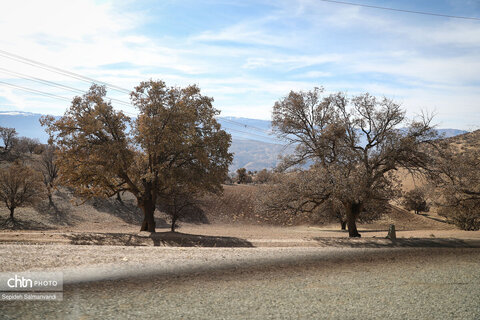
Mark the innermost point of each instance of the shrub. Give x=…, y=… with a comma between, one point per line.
x=415, y=200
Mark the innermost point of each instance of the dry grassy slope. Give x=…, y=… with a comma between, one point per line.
x=405, y=220
x=470, y=140
x=235, y=206
x=467, y=141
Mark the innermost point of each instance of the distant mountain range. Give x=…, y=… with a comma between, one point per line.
x=253, y=145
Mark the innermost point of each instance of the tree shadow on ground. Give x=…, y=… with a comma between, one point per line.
x=361, y=231
x=126, y=210
x=57, y=214
x=385, y=243
x=173, y=239
x=432, y=218
x=195, y=214
x=192, y=214
x=16, y=224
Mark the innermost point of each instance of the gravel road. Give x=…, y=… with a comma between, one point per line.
x=268, y=283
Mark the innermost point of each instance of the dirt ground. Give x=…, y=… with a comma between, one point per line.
x=109, y=222
x=240, y=270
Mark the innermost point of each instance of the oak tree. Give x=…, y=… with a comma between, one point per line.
x=175, y=130
x=8, y=136
x=416, y=200
x=20, y=186
x=49, y=170
x=355, y=144
x=457, y=178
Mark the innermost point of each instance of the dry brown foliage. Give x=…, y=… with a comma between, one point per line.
x=458, y=181
x=175, y=143
x=20, y=186
x=354, y=143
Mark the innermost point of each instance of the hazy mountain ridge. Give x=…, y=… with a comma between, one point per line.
x=252, y=143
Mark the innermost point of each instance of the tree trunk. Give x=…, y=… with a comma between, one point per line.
x=11, y=212
x=353, y=211
x=174, y=220
x=50, y=200
x=343, y=224
x=148, y=208
x=119, y=198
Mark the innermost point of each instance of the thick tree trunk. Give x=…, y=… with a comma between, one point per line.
x=353, y=211
x=148, y=208
x=343, y=224
x=11, y=213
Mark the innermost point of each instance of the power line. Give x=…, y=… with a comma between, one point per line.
x=46, y=94
x=64, y=72
x=54, y=96
x=77, y=76
x=246, y=125
x=55, y=84
x=402, y=10
x=51, y=95
x=251, y=134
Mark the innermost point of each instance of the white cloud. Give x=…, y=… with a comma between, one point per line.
x=433, y=63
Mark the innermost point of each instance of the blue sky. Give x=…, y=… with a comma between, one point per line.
x=249, y=54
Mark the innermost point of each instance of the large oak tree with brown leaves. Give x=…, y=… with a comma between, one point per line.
x=174, y=139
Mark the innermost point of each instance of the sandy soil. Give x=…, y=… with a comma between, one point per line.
x=256, y=283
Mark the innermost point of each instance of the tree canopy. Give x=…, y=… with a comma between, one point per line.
x=456, y=175
x=20, y=186
x=175, y=137
x=353, y=145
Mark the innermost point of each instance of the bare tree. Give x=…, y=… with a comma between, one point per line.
x=49, y=170
x=26, y=144
x=355, y=144
x=457, y=177
x=8, y=136
x=19, y=186
x=176, y=204
x=263, y=176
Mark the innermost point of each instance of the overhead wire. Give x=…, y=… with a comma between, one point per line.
x=47, y=94
x=89, y=80
x=56, y=84
x=51, y=95
x=57, y=70
x=252, y=134
x=401, y=10
x=246, y=125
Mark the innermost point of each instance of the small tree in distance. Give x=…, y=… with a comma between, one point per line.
x=243, y=176
x=49, y=171
x=263, y=176
x=19, y=186
x=8, y=136
x=415, y=200
x=175, y=203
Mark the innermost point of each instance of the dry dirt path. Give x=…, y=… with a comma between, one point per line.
x=265, y=283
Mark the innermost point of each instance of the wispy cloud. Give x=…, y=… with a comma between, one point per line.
x=251, y=54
